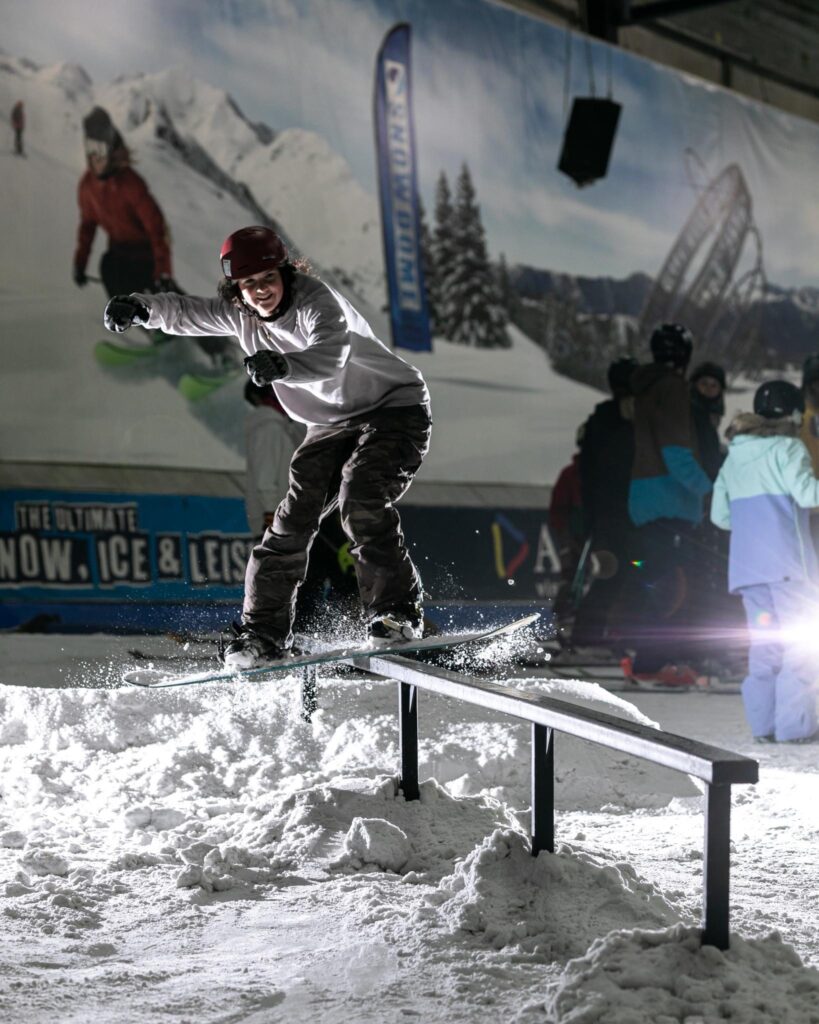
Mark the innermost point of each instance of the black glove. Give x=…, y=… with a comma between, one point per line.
x=79, y=277
x=124, y=311
x=165, y=283
x=264, y=367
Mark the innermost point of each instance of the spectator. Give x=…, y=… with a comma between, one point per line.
x=606, y=457
x=809, y=431
x=762, y=495
x=665, y=504
x=567, y=526
x=707, y=383
x=18, y=124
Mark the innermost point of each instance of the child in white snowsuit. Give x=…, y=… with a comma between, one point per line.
x=763, y=495
x=368, y=426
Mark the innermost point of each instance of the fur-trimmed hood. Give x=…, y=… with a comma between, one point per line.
x=759, y=426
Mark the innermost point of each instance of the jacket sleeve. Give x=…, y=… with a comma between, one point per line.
x=720, y=505
x=797, y=471
x=328, y=342
x=190, y=314
x=86, y=230
x=685, y=469
x=150, y=216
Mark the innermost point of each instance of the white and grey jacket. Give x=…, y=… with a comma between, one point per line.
x=337, y=369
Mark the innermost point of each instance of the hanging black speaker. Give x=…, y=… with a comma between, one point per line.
x=589, y=139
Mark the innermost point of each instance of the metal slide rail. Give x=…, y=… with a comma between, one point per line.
x=719, y=769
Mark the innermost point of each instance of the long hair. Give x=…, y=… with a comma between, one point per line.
x=232, y=293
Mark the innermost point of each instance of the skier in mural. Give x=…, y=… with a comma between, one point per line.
x=368, y=426
x=18, y=124
x=765, y=489
x=606, y=457
x=666, y=499
x=112, y=196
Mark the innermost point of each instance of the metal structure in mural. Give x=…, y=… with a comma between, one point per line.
x=714, y=304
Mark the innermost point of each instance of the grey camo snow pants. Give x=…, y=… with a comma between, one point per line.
x=362, y=466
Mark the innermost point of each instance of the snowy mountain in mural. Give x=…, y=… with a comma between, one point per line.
x=211, y=169
x=333, y=222
x=171, y=119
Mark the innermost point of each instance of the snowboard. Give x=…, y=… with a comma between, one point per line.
x=155, y=679
x=108, y=353
x=196, y=386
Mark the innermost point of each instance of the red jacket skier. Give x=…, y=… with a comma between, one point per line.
x=114, y=197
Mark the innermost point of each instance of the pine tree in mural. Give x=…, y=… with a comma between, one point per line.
x=509, y=298
x=442, y=258
x=472, y=304
x=431, y=281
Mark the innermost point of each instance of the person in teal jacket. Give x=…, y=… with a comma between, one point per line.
x=659, y=615
x=763, y=495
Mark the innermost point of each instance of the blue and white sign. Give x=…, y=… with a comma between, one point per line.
x=395, y=145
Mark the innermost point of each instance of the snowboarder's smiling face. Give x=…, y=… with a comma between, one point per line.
x=263, y=291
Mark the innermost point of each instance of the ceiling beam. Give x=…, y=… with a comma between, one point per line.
x=730, y=58
x=567, y=11
x=636, y=15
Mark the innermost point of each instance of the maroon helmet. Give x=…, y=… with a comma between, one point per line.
x=251, y=250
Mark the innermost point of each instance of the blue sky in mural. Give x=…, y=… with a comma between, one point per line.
x=489, y=90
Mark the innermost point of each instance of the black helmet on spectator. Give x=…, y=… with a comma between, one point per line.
x=672, y=344
x=619, y=375
x=713, y=370
x=776, y=399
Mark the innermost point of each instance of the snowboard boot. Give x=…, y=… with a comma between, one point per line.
x=406, y=623
x=248, y=648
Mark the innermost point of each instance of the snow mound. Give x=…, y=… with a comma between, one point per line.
x=552, y=905
x=363, y=824
x=663, y=977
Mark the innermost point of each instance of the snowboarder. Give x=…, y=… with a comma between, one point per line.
x=368, y=425
x=113, y=196
x=18, y=124
x=665, y=504
x=763, y=495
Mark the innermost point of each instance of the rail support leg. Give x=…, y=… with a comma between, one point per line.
x=309, y=698
x=408, y=739
x=716, y=866
x=543, y=789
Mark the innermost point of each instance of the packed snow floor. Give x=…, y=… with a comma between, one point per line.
x=203, y=855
